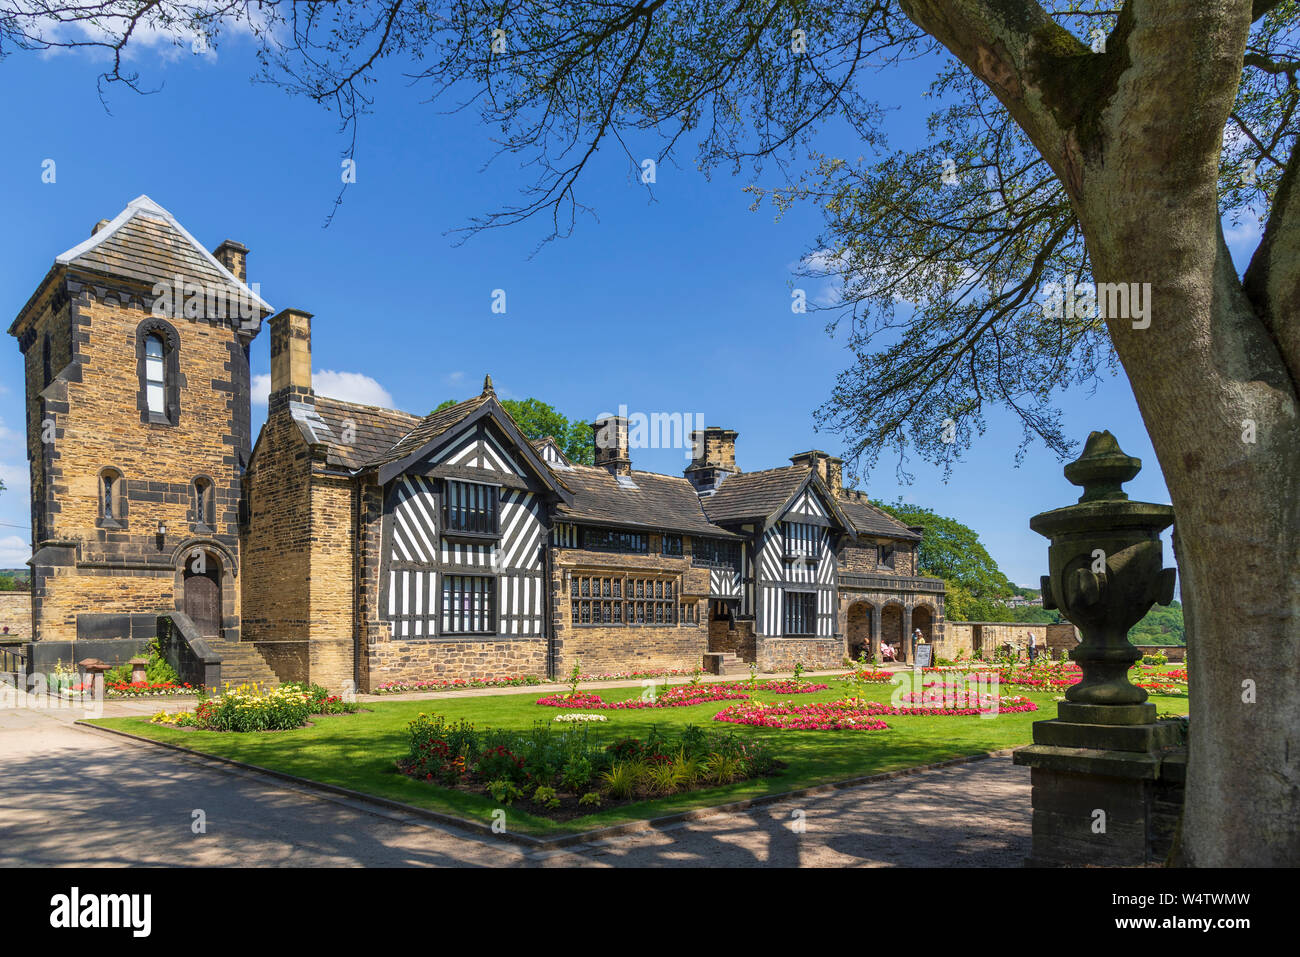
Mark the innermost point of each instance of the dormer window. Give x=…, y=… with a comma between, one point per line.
x=886, y=559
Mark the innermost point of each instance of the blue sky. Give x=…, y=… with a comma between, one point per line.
x=676, y=305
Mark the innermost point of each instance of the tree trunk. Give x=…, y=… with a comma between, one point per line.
x=1215, y=373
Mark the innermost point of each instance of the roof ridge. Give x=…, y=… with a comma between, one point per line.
x=143, y=205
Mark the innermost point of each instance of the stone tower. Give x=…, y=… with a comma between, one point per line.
x=136, y=348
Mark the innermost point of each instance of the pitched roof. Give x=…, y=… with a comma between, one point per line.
x=754, y=495
x=145, y=242
x=639, y=500
x=428, y=429
x=373, y=430
x=869, y=520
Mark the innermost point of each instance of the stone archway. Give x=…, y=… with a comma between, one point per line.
x=923, y=618
x=857, y=630
x=891, y=629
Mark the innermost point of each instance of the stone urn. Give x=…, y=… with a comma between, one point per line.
x=1106, y=562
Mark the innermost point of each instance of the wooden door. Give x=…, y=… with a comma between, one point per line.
x=203, y=598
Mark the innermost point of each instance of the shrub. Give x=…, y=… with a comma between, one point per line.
x=591, y=798
x=546, y=797
x=576, y=774
x=504, y=791
x=499, y=763
x=621, y=780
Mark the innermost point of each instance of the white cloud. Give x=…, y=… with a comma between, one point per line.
x=453, y=378
x=348, y=386
x=14, y=551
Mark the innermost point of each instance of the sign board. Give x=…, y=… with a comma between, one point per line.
x=924, y=656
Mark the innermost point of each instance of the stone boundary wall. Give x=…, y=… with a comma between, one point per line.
x=16, y=613
x=992, y=636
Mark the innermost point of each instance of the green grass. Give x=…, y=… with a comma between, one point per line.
x=358, y=751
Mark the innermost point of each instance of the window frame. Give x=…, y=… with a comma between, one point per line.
x=486, y=615
x=203, y=515
x=491, y=498
x=117, y=495
x=808, y=614
x=170, y=339
x=603, y=600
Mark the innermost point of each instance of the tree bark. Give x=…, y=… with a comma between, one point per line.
x=1214, y=374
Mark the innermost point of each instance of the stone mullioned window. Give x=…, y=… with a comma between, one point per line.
x=612, y=600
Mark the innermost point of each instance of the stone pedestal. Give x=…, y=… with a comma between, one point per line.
x=1107, y=786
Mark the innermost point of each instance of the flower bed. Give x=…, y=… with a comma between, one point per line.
x=445, y=684
x=579, y=718
x=249, y=708
x=630, y=675
x=682, y=696
x=871, y=676
x=563, y=773
x=855, y=715
x=149, y=689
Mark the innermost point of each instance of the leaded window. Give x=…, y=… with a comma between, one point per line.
x=801, y=540
x=471, y=507
x=614, y=540
x=800, y=613
x=712, y=553
x=468, y=605
x=672, y=545
x=611, y=600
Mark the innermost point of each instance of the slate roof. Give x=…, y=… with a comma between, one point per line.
x=657, y=501
x=869, y=520
x=145, y=242
x=375, y=430
x=754, y=495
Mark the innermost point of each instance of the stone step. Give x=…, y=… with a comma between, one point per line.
x=241, y=663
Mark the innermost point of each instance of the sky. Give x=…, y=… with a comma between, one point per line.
x=680, y=303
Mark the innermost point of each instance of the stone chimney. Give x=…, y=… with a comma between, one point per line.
x=98, y=226
x=715, y=458
x=609, y=435
x=234, y=256
x=291, y=354
x=830, y=468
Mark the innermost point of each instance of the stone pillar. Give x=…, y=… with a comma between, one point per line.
x=875, y=632
x=907, y=634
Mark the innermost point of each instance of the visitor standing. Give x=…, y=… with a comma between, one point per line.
x=1033, y=647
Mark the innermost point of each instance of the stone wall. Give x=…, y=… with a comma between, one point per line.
x=93, y=411
x=993, y=636
x=815, y=654
x=422, y=659
x=734, y=637
x=16, y=613
x=606, y=648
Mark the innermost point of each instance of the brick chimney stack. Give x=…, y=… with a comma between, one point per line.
x=234, y=256
x=609, y=434
x=291, y=354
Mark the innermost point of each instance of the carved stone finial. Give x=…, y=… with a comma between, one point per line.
x=487, y=386
x=1102, y=469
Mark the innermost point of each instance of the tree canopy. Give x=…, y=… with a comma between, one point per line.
x=536, y=419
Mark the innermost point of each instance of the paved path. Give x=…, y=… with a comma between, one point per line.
x=75, y=797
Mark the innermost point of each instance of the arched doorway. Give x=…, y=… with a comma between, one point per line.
x=202, y=591
x=891, y=629
x=923, y=618
x=857, y=628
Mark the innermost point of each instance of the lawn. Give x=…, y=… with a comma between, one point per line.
x=359, y=751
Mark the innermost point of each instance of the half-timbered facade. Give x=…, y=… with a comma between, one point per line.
x=356, y=544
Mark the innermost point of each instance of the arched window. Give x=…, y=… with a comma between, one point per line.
x=158, y=367
x=204, y=506
x=155, y=375
x=112, y=498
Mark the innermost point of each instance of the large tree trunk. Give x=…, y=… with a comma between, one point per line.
x=1138, y=152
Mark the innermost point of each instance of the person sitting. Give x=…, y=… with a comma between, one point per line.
x=887, y=652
